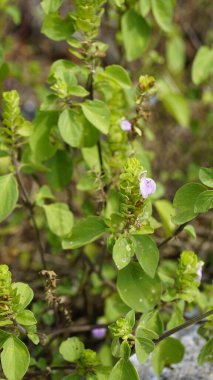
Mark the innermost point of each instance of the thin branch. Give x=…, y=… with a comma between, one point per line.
x=105, y=281
x=77, y=329
x=190, y=322
x=30, y=207
x=176, y=232
x=20, y=328
x=48, y=370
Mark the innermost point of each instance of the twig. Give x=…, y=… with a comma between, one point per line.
x=77, y=329
x=190, y=322
x=105, y=281
x=176, y=232
x=20, y=328
x=30, y=207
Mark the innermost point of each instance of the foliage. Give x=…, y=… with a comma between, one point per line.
x=15, y=297
x=76, y=186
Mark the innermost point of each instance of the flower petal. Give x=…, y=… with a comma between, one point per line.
x=147, y=187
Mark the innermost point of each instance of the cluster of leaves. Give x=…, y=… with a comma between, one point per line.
x=85, y=199
x=14, y=299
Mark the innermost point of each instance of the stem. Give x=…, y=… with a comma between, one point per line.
x=105, y=281
x=176, y=232
x=78, y=329
x=190, y=322
x=20, y=328
x=100, y=158
x=89, y=88
x=48, y=370
x=30, y=207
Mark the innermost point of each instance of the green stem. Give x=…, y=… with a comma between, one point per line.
x=89, y=88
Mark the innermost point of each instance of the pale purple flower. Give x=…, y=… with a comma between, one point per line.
x=147, y=187
x=125, y=125
x=199, y=270
x=99, y=332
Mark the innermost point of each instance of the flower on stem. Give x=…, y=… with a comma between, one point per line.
x=147, y=186
x=125, y=125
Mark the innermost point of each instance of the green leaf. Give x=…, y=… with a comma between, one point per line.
x=15, y=358
x=152, y=321
x=25, y=293
x=60, y=170
x=3, y=337
x=145, y=6
x=143, y=348
x=175, y=55
x=88, y=182
x=143, y=332
x=135, y=33
x=168, y=351
x=65, y=70
x=115, y=347
x=176, y=318
x=184, y=202
x=202, y=65
x=206, y=353
x=84, y=232
x=206, y=176
x=56, y=28
x=71, y=349
x=119, y=3
x=98, y=114
x=130, y=317
x=178, y=106
x=91, y=158
x=76, y=130
x=123, y=250
x=78, y=91
x=125, y=350
x=165, y=211
x=163, y=13
x=119, y=75
x=15, y=13
x=40, y=142
x=124, y=370
x=51, y=6
x=26, y=318
x=190, y=230
x=34, y=338
x=114, y=307
x=137, y=289
x=43, y=193
x=204, y=201
x=6, y=322
x=147, y=253
x=4, y=71
x=71, y=128
x=59, y=218
x=8, y=195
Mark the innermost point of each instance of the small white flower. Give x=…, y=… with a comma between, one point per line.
x=125, y=125
x=147, y=187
